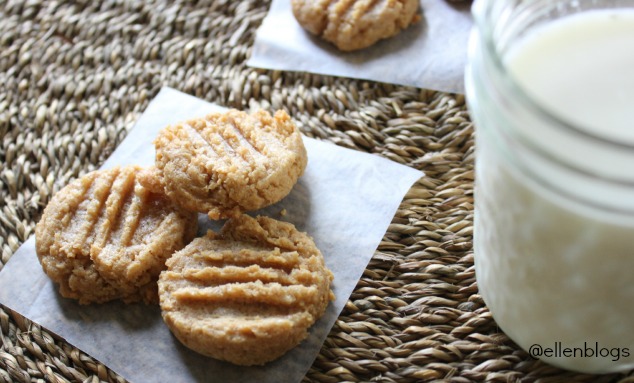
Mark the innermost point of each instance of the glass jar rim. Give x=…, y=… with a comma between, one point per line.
x=484, y=21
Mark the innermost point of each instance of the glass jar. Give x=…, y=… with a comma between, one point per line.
x=554, y=192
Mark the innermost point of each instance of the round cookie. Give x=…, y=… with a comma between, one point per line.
x=105, y=236
x=355, y=24
x=228, y=163
x=247, y=295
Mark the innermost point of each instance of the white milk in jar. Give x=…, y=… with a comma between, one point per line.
x=550, y=87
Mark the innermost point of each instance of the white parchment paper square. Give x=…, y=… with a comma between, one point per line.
x=430, y=54
x=345, y=201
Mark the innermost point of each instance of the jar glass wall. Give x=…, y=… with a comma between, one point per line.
x=554, y=220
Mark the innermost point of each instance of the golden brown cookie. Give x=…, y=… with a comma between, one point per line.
x=355, y=24
x=227, y=163
x=247, y=295
x=105, y=236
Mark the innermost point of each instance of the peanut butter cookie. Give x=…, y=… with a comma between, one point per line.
x=355, y=24
x=247, y=295
x=104, y=236
x=228, y=163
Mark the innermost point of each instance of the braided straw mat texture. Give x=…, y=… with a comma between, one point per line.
x=74, y=78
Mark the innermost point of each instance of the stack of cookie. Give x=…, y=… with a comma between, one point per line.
x=247, y=294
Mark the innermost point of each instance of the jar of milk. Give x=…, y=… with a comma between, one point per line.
x=550, y=87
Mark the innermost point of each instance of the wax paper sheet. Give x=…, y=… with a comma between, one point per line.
x=430, y=54
x=345, y=201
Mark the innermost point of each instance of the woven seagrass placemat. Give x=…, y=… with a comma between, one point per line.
x=75, y=76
